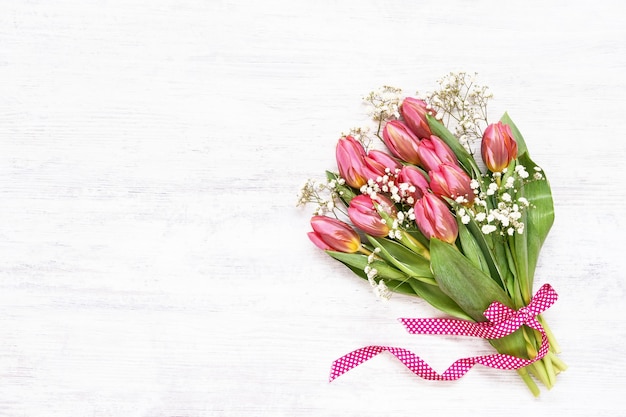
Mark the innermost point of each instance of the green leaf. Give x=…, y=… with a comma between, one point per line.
x=487, y=247
x=467, y=285
x=513, y=344
x=471, y=248
x=400, y=287
x=438, y=299
x=360, y=261
x=419, y=236
x=402, y=258
x=540, y=216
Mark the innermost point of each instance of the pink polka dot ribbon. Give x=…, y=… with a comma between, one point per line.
x=502, y=321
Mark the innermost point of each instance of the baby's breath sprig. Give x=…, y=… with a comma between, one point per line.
x=384, y=105
x=461, y=104
x=324, y=195
x=379, y=287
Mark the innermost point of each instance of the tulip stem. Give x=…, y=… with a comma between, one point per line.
x=560, y=365
x=553, y=344
x=523, y=372
x=380, y=124
x=364, y=250
x=415, y=245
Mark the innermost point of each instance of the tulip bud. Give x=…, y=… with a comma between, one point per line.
x=401, y=141
x=434, y=152
x=379, y=161
x=351, y=162
x=451, y=181
x=434, y=219
x=365, y=216
x=333, y=234
x=414, y=114
x=414, y=177
x=498, y=147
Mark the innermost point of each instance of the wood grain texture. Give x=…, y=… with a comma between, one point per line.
x=153, y=262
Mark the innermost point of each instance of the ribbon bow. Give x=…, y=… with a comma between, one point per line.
x=502, y=321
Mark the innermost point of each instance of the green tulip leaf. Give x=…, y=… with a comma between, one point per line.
x=539, y=216
x=402, y=258
x=400, y=287
x=438, y=299
x=471, y=248
x=468, y=286
x=487, y=244
x=360, y=261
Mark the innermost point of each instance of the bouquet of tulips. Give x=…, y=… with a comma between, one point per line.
x=420, y=215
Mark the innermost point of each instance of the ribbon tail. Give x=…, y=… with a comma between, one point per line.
x=416, y=364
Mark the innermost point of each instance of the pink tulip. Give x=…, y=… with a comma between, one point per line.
x=333, y=234
x=379, y=161
x=498, y=147
x=434, y=219
x=414, y=114
x=413, y=176
x=351, y=162
x=401, y=141
x=451, y=181
x=364, y=215
x=434, y=152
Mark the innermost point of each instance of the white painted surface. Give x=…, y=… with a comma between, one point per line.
x=152, y=262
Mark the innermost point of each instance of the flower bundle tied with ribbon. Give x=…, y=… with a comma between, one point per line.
x=419, y=215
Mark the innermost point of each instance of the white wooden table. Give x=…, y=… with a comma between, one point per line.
x=152, y=260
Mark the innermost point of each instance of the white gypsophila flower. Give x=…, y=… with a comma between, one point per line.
x=520, y=170
x=384, y=103
x=465, y=219
x=382, y=291
x=379, y=288
x=488, y=228
x=324, y=195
